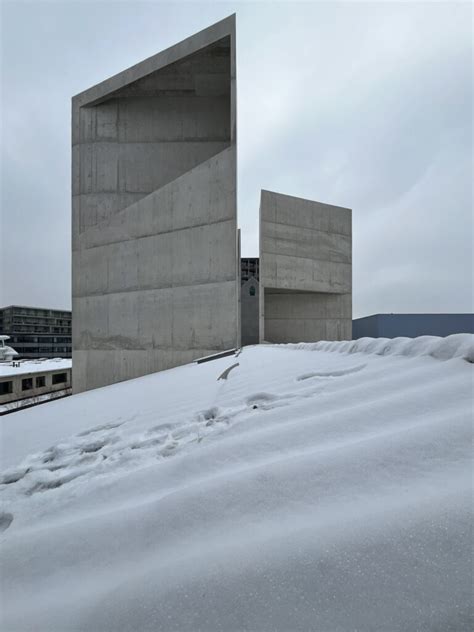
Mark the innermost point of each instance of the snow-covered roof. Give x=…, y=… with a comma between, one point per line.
x=326, y=487
x=8, y=369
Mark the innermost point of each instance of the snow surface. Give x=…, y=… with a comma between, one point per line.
x=34, y=366
x=17, y=404
x=319, y=487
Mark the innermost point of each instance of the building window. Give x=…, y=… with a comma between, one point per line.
x=59, y=378
x=41, y=381
x=252, y=290
x=6, y=388
x=27, y=384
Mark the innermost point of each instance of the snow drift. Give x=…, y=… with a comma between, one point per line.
x=319, y=487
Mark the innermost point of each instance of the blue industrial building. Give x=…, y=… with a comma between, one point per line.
x=412, y=325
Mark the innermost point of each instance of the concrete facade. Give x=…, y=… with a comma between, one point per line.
x=154, y=213
x=305, y=270
x=412, y=325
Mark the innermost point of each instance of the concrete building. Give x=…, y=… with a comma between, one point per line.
x=305, y=270
x=156, y=251
x=412, y=325
x=30, y=382
x=154, y=213
x=37, y=332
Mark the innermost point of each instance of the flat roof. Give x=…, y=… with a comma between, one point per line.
x=397, y=314
x=34, y=366
x=49, y=309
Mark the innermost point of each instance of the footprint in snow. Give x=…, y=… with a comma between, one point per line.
x=5, y=520
x=105, y=448
x=268, y=401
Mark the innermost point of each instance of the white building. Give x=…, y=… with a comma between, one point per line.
x=6, y=353
x=29, y=382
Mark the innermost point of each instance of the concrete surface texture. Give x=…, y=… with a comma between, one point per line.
x=249, y=300
x=305, y=270
x=412, y=325
x=154, y=213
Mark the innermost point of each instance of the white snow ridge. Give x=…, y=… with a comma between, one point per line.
x=320, y=486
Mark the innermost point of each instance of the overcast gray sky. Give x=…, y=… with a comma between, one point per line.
x=365, y=105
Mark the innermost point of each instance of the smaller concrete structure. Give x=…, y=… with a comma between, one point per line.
x=26, y=383
x=412, y=325
x=305, y=270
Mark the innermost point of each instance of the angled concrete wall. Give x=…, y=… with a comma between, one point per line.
x=155, y=261
x=305, y=270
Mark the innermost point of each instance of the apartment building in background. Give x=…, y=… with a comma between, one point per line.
x=37, y=332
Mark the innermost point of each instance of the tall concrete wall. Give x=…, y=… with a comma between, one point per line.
x=155, y=260
x=305, y=270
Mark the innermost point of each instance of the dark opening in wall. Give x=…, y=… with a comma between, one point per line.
x=59, y=378
x=41, y=381
x=6, y=388
x=27, y=384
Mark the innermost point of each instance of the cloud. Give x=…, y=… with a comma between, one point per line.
x=363, y=105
